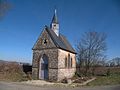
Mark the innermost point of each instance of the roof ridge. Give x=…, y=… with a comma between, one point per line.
x=48, y=30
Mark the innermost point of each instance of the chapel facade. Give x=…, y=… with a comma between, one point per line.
x=53, y=57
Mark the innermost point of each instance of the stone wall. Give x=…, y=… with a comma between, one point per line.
x=66, y=73
x=34, y=73
x=57, y=70
x=53, y=74
x=50, y=50
x=62, y=70
x=52, y=55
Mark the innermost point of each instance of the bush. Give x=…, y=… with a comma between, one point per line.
x=77, y=74
x=64, y=80
x=108, y=72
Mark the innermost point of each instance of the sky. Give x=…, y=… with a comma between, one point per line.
x=23, y=23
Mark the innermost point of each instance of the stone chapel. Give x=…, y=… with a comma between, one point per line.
x=53, y=57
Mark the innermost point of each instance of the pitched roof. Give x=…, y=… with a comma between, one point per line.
x=60, y=41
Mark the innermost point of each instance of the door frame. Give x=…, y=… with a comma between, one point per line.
x=39, y=67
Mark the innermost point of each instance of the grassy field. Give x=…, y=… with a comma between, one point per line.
x=11, y=71
x=113, y=79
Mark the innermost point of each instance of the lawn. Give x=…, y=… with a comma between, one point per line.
x=113, y=79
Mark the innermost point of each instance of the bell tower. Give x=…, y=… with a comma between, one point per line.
x=54, y=24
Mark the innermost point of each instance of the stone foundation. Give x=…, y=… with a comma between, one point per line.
x=66, y=73
x=53, y=74
x=35, y=73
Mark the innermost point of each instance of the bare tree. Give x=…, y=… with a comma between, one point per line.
x=91, y=49
x=4, y=6
x=115, y=61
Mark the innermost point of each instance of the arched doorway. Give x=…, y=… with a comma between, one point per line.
x=43, y=67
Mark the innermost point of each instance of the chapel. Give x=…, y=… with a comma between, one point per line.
x=53, y=56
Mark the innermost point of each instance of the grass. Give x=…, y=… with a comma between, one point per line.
x=113, y=79
x=15, y=77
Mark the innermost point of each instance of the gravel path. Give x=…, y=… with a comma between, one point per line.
x=19, y=86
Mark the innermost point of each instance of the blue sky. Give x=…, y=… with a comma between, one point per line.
x=23, y=23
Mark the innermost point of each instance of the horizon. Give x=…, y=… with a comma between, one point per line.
x=24, y=22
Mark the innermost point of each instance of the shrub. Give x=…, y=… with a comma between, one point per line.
x=64, y=80
x=108, y=72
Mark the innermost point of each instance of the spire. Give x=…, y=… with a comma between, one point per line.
x=54, y=24
x=55, y=19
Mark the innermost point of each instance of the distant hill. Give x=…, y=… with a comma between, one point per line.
x=21, y=63
x=2, y=61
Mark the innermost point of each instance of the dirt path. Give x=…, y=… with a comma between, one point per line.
x=19, y=86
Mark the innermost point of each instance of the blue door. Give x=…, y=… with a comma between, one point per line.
x=44, y=68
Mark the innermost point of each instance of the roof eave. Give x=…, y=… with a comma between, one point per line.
x=67, y=50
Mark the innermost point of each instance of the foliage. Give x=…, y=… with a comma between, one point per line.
x=77, y=74
x=4, y=6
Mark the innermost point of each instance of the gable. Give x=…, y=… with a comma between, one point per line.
x=53, y=41
x=44, y=41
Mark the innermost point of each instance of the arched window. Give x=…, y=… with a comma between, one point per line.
x=69, y=61
x=66, y=63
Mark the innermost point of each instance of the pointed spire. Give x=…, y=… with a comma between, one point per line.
x=55, y=18
x=54, y=24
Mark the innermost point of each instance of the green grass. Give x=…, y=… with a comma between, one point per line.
x=113, y=79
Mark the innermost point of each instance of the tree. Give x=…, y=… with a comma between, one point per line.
x=116, y=61
x=4, y=6
x=91, y=49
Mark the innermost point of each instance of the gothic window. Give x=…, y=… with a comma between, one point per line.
x=66, y=62
x=69, y=61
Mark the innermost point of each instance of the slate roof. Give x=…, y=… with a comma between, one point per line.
x=60, y=41
x=55, y=19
